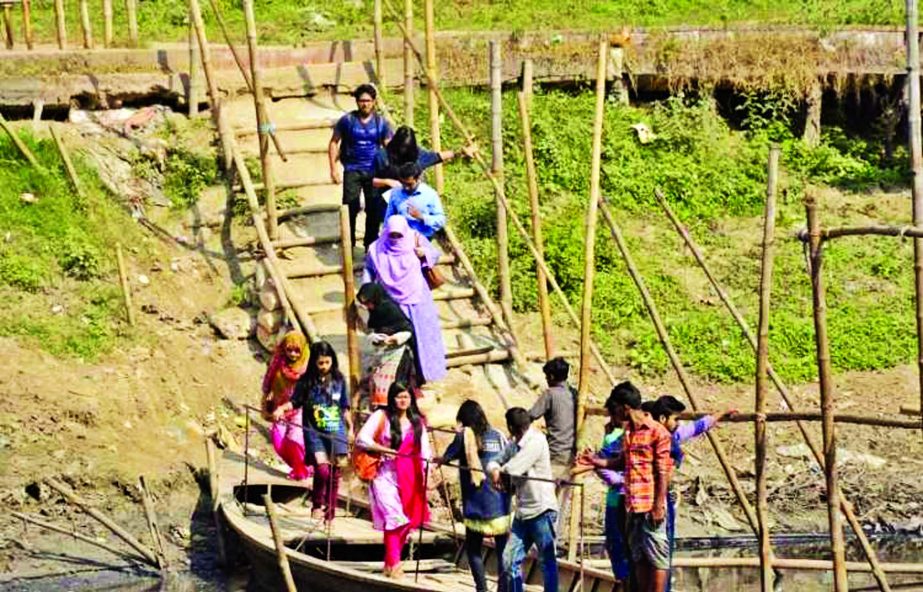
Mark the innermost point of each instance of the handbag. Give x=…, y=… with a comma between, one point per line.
x=365, y=463
x=433, y=276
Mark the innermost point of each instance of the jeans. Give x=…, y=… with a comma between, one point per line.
x=615, y=544
x=473, y=543
x=538, y=531
x=355, y=182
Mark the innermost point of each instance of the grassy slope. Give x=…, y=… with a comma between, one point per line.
x=715, y=178
x=294, y=21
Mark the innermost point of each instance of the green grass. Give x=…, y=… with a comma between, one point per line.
x=58, y=282
x=296, y=21
x=715, y=179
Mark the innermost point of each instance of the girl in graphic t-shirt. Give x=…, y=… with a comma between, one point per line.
x=321, y=392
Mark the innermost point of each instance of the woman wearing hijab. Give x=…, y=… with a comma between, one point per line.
x=396, y=261
x=289, y=362
x=392, y=334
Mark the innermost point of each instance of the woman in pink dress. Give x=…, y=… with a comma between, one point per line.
x=289, y=362
x=398, y=491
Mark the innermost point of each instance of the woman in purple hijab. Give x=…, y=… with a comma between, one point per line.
x=396, y=262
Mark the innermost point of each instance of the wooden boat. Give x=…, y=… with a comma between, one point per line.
x=347, y=556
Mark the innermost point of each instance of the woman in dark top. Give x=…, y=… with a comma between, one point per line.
x=486, y=510
x=392, y=334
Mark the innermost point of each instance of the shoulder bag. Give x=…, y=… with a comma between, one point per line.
x=365, y=463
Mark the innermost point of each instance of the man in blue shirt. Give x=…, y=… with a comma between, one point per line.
x=416, y=201
x=356, y=138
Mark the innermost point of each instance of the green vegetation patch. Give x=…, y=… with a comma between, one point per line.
x=715, y=179
x=58, y=281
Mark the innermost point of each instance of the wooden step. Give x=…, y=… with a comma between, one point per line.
x=306, y=241
x=287, y=184
x=460, y=353
x=318, y=271
x=466, y=323
x=291, y=127
x=497, y=355
x=297, y=151
x=308, y=209
x=453, y=294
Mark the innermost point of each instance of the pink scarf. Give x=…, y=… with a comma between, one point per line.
x=397, y=266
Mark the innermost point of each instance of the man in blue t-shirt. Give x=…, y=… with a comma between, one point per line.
x=356, y=138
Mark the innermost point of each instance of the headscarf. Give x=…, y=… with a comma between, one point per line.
x=283, y=373
x=396, y=264
x=385, y=316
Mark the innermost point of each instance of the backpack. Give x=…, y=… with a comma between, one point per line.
x=345, y=140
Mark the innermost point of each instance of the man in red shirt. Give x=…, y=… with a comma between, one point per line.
x=647, y=467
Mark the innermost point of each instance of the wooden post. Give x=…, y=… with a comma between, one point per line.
x=224, y=132
x=434, y=131
x=824, y=372
x=68, y=165
x=762, y=364
x=107, y=23
x=131, y=8
x=379, y=47
x=408, y=64
x=8, y=25
x=496, y=168
x=281, y=557
x=916, y=168
x=17, y=141
x=845, y=507
x=677, y=365
x=532, y=183
x=85, y=25
x=60, y=24
x=27, y=23
x=349, y=306
x=117, y=530
x=527, y=82
x=264, y=126
x=126, y=288
x=192, y=95
x=152, y=526
x=589, y=250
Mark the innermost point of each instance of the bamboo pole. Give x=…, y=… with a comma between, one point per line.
x=60, y=24
x=527, y=83
x=107, y=23
x=496, y=167
x=281, y=557
x=532, y=183
x=589, y=249
x=778, y=563
x=379, y=46
x=192, y=95
x=498, y=188
x=263, y=124
x=762, y=363
x=408, y=64
x=787, y=416
x=68, y=165
x=435, y=135
x=786, y=397
x=824, y=372
x=117, y=530
x=225, y=133
x=916, y=167
x=27, y=23
x=85, y=25
x=17, y=141
x=677, y=365
x=8, y=25
x=131, y=7
x=76, y=535
x=349, y=306
x=152, y=526
x=123, y=281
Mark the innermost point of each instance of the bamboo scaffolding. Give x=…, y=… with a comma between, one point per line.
x=517, y=223
x=17, y=141
x=68, y=164
x=496, y=168
x=784, y=394
x=762, y=363
x=824, y=372
x=264, y=126
x=85, y=25
x=379, y=46
x=126, y=287
x=916, y=167
x=152, y=525
x=117, y=530
x=677, y=365
x=532, y=183
x=8, y=25
x=281, y=557
x=131, y=8
x=527, y=83
x=434, y=126
x=219, y=18
x=192, y=96
x=60, y=24
x=408, y=64
x=107, y=23
x=27, y=23
x=224, y=133
x=78, y=536
x=589, y=249
x=349, y=305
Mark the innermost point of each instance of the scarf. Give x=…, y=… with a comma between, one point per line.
x=385, y=316
x=396, y=264
x=472, y=458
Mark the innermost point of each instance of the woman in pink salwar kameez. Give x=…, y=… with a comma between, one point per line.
x=398, y=491
x=289, y=362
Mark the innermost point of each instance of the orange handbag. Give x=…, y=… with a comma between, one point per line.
x=365, y=463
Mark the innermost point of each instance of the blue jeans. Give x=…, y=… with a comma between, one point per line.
x=615, y=544
x=538, y=531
